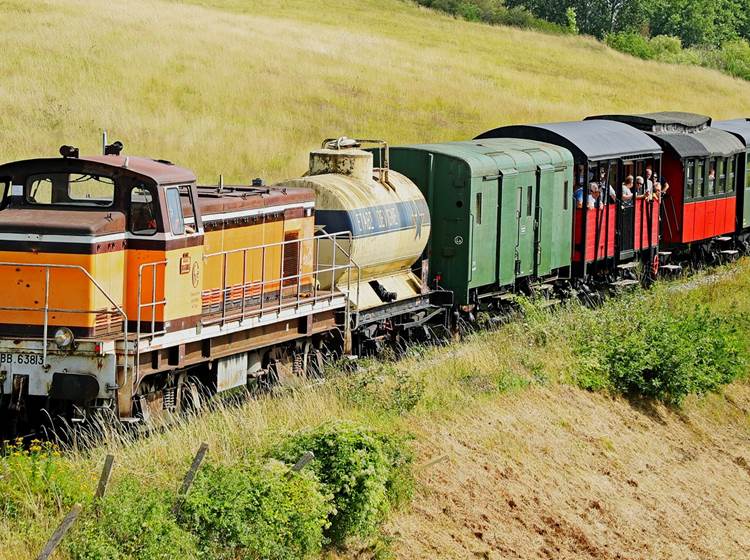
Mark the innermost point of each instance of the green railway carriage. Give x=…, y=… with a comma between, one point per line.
x=501, y=212
x=741, y=129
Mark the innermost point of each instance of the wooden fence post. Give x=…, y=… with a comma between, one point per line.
x=101, y=489
x=189, y=477
x=59, y=534
x=307, y=456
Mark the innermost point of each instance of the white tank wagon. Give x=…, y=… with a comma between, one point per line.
x=386, y=214
x=385, y=222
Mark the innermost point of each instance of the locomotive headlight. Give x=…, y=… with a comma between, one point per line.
x=64, y=337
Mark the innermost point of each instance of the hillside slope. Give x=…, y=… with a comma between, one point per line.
x=246, y=88
x=557, y=473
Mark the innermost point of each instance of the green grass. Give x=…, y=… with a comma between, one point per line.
x=247, y=88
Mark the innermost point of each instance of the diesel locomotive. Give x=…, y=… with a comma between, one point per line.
x=132, y=291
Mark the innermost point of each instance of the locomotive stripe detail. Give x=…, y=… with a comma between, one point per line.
x=376, y=220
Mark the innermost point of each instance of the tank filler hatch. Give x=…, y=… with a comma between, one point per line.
x=344, y=156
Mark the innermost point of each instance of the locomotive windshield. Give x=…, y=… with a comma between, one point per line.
x=70, y=189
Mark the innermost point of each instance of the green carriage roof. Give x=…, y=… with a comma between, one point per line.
x=499, y=155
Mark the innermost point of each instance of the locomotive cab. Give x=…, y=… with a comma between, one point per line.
x=87, y=247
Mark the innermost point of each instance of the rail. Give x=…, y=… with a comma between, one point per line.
x=272, y=294
x=46, y=309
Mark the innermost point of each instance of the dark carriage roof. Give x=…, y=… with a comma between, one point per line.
x=160, y=172
x=664, y=121
x=739, y=127
x=687, y=134
x=593, y=140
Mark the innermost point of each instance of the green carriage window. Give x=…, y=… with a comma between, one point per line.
x=747, y=170
x=689, y=179
x=700, y=178
x=478, y=210
x=730, y=173
x=566, y=189
x=528, y=200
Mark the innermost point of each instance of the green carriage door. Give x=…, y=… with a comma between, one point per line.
x=517, y=234
x=543, y=223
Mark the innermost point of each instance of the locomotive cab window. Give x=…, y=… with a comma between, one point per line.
x=142, y=220
x=174, y=207
x=70, y=189
x=4, y=192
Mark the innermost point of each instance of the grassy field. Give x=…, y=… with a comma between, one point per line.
x=247, y=88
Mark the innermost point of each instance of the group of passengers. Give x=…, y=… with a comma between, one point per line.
x=634, y=188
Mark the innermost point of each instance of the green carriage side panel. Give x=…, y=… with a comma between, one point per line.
x=496, y=216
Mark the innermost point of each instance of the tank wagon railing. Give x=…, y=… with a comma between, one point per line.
x=46, y=309
x=247, y=298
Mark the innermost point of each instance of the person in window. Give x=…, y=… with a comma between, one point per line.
x=711, y=180
x=641, y=191
x=578, y=196
x=627, y=191
x=650, y=179
x=605, y=187
x=594, y=199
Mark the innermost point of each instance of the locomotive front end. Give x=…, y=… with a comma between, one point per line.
x=70, y=230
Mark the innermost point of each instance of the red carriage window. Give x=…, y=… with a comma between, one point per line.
x=730, y=174
x=711, y=183
x=689, y=179
x=700, y=178
x=721, y=172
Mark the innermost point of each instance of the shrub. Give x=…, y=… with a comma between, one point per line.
x=131, y=522
x=366, y=472
x=630, y=43
x=256, y=511
x=646, y=347
x=34, y=478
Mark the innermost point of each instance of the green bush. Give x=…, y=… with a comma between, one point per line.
x=131, y=522
x=631, y=43
x=35, y=477
x=643, y=346
x=367, y=473
x=256, y=512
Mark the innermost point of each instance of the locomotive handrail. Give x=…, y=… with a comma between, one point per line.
x=319, y=272
x=47, y=309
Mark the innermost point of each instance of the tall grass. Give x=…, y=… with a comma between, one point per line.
x=248, y=88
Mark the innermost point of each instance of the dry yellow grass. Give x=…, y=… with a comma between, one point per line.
x=246, y=88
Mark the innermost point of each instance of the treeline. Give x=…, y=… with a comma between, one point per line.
x=710, y=33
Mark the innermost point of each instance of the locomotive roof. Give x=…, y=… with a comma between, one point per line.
x=739, y=127
x=488, y=156
x=687, y=134
x=160, y=172
x=593, y=139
